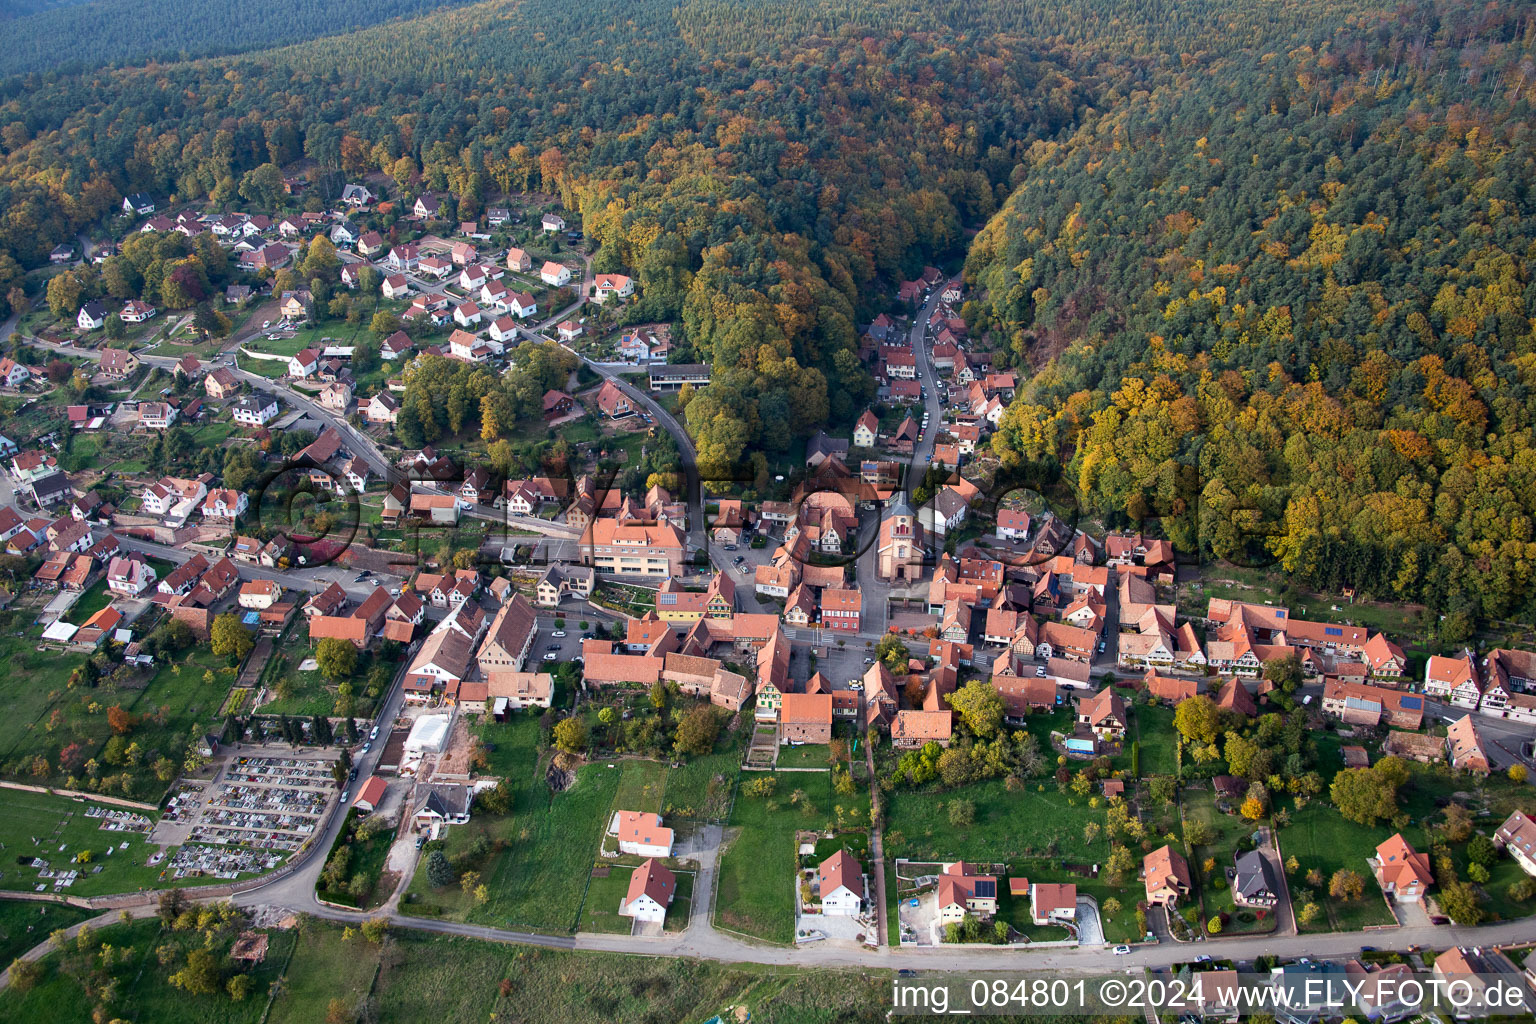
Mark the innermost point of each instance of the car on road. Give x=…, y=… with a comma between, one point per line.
x=265, y=324
x=551, y=656
x=367, y=747
x=1122, y=950
x=352, y=774
x=869, y=661
x=906, y=972
x=1367, y=949
x=344, y=794
x=558, y=633
x=1203, y=958
x=359, y=577
x=1307, y=699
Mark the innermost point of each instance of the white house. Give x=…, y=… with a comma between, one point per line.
x=12, y=373
x=136, y=312
x=840, y=883
x=473, y=278
x=259, y=595
x=255, y=410
x=92, y=315
x=396, y=286
x=552, y=222
x=303, y=363
x=225, y=504
x=610, y=286
x=651, y=889
x=555, y=274
x=504, y=329
x=466, y=314
x=521, y=305
x=641, y=833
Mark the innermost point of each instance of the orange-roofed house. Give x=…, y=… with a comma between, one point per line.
x=963, y=890
x=651, y=888
x=913, y=729
x=840, y=885
x=1400, y=870
x=1104, y=714
x=1052, y=903
x=370, y=795
x=805, y=718
x=641, y=833
x=1466, y=747
x=1165, y=874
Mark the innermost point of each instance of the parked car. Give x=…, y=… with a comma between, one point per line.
x=551, y=656
x=558, y=632
x=1122, y=950
x=374, y=734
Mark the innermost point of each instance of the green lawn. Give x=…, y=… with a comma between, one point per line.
x=1158, y=740
x=600, y=912
x=756, y=875
x=324, y=966
x=365, y=859
x=1318, y=837
x=640, y=786
x=92, y=601
x=1215, y=892
x=272, y=369
x=142, y=991
x=24, y=924
x=65, y=728
x=1038, y=821
x=702, y=787
x=538, y=876
x=811, y=755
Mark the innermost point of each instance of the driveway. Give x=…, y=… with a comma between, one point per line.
x=1090, y=930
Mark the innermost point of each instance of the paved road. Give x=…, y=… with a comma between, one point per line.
x=357, y=442
x=308, y=580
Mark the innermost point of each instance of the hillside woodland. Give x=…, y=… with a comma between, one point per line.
x=1265, y=261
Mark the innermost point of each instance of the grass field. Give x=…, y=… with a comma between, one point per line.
x=1215, y=893
x=756, y=873
x=324, y=966
x=1319, y=837
x=640, y=786
x=1158, y=740
x=24, y=924
x=92, y=601
x=702, y=788
x=600, y=912
x=1038, y=821
x=811, y=755
x=365, y=859
x=538, y=876
x=413, y=976
x=142, y=991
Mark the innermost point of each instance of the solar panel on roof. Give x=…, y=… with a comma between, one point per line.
x=1333, y=631
x=986, y=888
x=1413, y=703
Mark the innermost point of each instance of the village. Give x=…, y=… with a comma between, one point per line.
x=879, y=697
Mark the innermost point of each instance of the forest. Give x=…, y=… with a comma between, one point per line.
x=1289, y=314
x=136, y=31
x=1266, y=261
